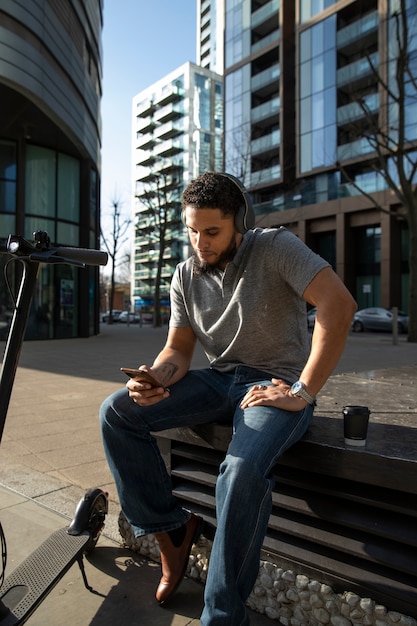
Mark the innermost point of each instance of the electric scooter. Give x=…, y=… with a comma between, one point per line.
x=28, y=585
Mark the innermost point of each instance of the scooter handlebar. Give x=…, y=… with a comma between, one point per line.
x=19, y=247
x=83, y=255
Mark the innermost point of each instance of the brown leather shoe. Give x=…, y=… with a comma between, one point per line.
x=174, y=560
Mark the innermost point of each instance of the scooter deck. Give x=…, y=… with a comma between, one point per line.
x=32, y=580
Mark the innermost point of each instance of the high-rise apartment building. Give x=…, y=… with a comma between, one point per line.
x=210, y=33
x=294, y=74
x=178, y=134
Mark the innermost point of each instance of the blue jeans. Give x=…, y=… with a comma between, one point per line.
x=243, y=491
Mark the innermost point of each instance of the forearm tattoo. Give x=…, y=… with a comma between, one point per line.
x=166, y=371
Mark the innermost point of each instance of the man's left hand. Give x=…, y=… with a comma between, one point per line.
x=277, y=394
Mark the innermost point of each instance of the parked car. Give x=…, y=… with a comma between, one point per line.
x=115, y=314
x=147, y=318
x=129, y=316
x=311, y=318
x=377, y=318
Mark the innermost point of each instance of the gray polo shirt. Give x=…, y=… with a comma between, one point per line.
x=252, y=313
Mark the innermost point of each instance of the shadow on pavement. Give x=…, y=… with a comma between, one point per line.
x=131, y=599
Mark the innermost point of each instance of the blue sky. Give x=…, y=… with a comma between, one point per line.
x=143, y=40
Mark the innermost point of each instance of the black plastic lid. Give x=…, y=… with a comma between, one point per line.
x=361, y=410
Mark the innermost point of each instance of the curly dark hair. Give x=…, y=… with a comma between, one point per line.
x=213, y=190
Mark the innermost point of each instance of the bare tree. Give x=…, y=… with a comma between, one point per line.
x=113, y=243
x=238, y=151
x=161, y=197
x=391, y=133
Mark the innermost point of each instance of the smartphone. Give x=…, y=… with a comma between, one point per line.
x=141, y=375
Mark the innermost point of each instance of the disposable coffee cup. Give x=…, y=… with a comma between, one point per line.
x=355, y=425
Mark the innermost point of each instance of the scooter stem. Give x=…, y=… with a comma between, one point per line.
x=16, y=336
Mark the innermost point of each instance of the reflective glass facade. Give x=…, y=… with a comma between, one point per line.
x=310, y=8
x=254, y=131
x=410, y=71
x=50, y=91
x=318, y=132
x=52, y=195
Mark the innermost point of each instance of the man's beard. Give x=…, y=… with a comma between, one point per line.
x=202, y=267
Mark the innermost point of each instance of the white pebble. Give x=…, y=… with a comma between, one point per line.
x=301, y=582
x=339, y=620
x=321, y=615
x=266, y=581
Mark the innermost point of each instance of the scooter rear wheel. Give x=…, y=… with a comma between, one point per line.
x=90, y=516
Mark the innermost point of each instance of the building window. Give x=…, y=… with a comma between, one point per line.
x=68, y=207
x=318, y=132
x=40, y=185
x=234, y=32
x=202, y=109
x=8, y=169
x=310, y=8
x=7, y=177
x=237, y=119
x=52, y=198
x=410, y=69
x=324, y=244
x=368, y=266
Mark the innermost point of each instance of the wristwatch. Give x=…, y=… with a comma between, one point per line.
x=299, y=389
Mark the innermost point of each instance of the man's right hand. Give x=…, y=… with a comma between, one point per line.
x=144, y=393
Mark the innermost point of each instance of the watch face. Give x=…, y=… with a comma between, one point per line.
x=296, y=387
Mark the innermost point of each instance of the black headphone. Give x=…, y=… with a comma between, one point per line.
x=245, y=216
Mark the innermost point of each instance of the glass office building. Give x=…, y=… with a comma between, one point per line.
x=50, y=92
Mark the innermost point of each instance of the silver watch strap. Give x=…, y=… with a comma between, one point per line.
x=306, y=396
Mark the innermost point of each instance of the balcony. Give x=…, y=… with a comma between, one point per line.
x=168, y=130
x=364, y=29
x=145, y=159
x=143, y=175
x=265, y=41
x=205, y=48
x=354, y=150
x=145, y=126
x=149, y=272
x=167, y=113
x=171, y=166
x=269, y=206
x=353, y=112
x=267, y=175
x=145, y=109
x=268, y=10
x=356, y=72
x=171, y=93
x=169, y=148
x=267, y=143
x=368, y=184
x=145, y=274
x=205, y=23
x=145, y=143
x=266, y=110
x=268, y=77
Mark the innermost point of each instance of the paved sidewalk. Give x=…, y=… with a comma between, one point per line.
x=124, y=583
x=51, y=453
